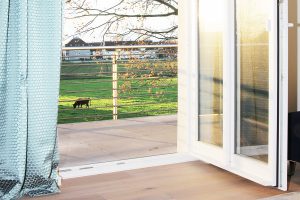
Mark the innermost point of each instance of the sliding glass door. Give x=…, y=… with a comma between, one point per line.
x=237, y=87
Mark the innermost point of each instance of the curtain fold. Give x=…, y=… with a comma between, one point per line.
x=30, y=43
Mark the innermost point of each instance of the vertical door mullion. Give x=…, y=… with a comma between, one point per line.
x=273, y=93
x=283, y=95
x=229, y=81
x=236, y=90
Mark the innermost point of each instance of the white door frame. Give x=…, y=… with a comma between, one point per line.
x=283, y=95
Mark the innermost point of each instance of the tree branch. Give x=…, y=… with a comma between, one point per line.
x=122, y=10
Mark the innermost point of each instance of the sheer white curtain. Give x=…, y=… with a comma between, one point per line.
x=30, y=42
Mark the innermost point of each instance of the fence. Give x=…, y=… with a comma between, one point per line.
x=112, y=82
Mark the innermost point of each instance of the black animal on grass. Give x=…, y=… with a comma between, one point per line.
x=80, y=102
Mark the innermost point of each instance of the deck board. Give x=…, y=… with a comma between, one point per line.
x=104, y=141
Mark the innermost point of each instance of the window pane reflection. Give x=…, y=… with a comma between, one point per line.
x=252, y=78
x=211, y=71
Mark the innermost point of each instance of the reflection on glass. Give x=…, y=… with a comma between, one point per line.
x=252, y=78
x=211, y=71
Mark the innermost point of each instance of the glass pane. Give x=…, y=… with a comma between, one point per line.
x=211, y=71
x=252, y=78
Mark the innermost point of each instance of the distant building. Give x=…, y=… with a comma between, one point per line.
x=82, y=55
x=76, y=55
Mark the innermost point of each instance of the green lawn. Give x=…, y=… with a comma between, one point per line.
x=154, y=96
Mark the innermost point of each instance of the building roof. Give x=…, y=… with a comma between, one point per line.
x=76, y=42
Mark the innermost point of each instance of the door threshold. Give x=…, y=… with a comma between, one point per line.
x=124, y=165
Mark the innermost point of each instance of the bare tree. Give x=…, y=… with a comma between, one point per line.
x=125, y=18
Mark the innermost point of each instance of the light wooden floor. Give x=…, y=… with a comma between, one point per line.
x=186, y=181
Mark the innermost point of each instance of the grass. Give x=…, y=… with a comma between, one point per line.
x=137, y=98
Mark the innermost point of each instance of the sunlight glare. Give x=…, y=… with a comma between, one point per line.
x=211, y=15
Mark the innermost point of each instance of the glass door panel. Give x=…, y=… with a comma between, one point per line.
x=211, y=30
x=252, y=68
x=237, y=81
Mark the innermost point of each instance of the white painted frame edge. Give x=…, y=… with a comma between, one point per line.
x=283, y=96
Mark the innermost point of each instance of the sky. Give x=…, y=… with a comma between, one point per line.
x=70, y=26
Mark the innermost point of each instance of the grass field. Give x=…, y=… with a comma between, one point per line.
x=146, y=97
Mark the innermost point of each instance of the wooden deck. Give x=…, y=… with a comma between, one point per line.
x=185, y=181
x=104, y=141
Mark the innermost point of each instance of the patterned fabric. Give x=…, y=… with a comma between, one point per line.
x=30, y=41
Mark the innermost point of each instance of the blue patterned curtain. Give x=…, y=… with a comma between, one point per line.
x=30, y=42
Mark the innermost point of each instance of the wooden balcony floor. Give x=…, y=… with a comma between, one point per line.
x=185, y=181
x=104, y=141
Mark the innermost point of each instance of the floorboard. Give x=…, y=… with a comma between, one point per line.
x=184, y=181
